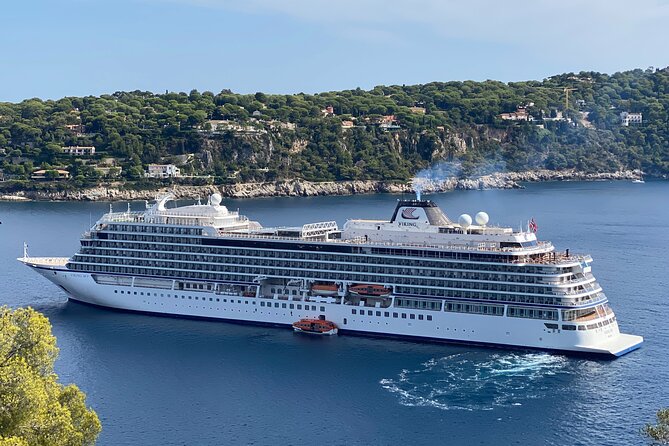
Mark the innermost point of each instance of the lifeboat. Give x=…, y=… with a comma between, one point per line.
x=328, y=289
x=315, y=326
x=369, y=290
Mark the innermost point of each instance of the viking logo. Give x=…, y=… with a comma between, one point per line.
x=407, y=214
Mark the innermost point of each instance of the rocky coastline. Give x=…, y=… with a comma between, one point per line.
x=300, y=188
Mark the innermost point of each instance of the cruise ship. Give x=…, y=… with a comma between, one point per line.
x=418, y=275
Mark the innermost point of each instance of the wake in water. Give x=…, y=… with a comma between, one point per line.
x=458, y=382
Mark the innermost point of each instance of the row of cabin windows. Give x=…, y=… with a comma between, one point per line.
x=171, y=246
x=218, y=299
x=594, y=326
x=153, y=229
x=321, y=264
x=460, y=294
x=394, y=315
x=533, y=313
x=285, y=291
x=267, y=270
x=492, y=310
x=290, y=306
x=434, y=305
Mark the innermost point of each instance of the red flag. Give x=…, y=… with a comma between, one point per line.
x=533, y=225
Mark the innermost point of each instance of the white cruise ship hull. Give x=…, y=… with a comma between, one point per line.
x=409, y=323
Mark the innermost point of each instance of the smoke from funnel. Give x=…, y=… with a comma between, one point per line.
x=434, y=176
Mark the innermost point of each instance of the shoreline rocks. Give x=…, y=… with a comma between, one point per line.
x=301, y=188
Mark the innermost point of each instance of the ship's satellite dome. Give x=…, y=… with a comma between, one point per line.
x=465, y=220
x=482, y=218
x=215, y=199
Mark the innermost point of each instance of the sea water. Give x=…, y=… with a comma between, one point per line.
x=167, y=381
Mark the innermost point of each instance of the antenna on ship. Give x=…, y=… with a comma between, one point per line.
x=111, y=210
x=25, y=250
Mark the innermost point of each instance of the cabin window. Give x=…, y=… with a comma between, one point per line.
x=378, y=313
x=322, y=309
x=313, y=308
x=354, y=311
x=412, y=316
x=283, y=305
x=395, y=315
x=429, y=317
x=291, y=306
x=299, y=306
x=420, y=317
x=386, y=314
x=404, y=315
x=370, y=312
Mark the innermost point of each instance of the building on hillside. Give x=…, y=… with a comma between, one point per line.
x=162, y=171
x=328, y=111
x=79, y=150
x=75, y=128
x=347, y=124
x=627, y=118
x=50, y=174
x=417, y=110
x=520, y=114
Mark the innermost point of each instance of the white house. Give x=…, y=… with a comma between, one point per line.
x=79, y=150
x=627, y=118
x=162, y=171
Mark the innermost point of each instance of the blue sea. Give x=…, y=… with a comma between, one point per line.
x=166, y=381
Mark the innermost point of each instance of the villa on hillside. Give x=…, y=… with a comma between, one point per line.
x=520, y=114
x=162, y=171
x=46, y=174
x=627, y=118
x=79, y=150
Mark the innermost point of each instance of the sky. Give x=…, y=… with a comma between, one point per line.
x=50, y=49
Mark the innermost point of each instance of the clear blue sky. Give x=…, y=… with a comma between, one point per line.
x=51, y=49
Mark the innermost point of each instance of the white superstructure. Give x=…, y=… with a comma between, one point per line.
x=418, y=275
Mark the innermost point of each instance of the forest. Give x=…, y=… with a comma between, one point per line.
x=571, y=120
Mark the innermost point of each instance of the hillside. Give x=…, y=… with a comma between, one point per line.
x=387, y=133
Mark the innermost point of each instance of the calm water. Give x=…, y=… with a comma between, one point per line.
x=165, y=381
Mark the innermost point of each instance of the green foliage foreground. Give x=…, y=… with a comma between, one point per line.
x=658, y=433
x=35, y=409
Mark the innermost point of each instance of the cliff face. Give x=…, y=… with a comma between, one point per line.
x=294, y=188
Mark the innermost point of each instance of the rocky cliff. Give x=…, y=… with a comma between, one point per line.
x=294, y=188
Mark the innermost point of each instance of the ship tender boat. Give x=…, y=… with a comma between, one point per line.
x=369, y=290
x=315, y=326
x=418, y=275
x=324, y=289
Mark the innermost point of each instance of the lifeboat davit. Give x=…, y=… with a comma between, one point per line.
x=369, y=290
x=315, y=326
x=327, y=289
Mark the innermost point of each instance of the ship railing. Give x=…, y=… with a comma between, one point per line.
x=164, y=218
x=47, y=260
x=362, y=240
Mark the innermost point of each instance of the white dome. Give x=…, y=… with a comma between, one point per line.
x=215, y=199
x=465, y=220
x=482, y=218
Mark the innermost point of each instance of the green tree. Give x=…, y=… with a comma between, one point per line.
x=658, y=433
x=35, y=409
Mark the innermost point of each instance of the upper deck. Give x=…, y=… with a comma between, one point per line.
x=416, y=225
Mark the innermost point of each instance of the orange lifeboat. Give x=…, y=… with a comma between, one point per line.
x=369, y=290
x=315, y=326
x=324, y=289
